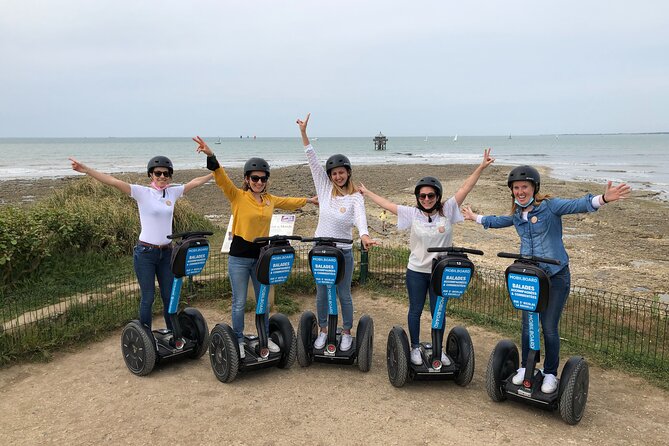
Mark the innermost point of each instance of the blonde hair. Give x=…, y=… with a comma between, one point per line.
x=538, y=198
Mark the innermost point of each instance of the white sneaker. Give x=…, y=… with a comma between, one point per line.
x=346, y=341
x=416, y=357
x=550, y=383
x=272, y=346
x=242, y=353
x=445, y=360
x=320, y=340
x=519, y=376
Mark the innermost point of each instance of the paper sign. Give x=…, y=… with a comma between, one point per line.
x=282, y=224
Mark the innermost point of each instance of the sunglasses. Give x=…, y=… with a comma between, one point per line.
x=256, y=178
x=161, y=173
x=429, y=196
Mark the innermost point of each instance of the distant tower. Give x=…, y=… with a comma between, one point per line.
x=380, y=142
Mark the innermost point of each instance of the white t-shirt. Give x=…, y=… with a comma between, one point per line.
x=155, y=211
x=425, y=234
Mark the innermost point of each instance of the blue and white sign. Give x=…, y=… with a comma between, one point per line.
x=196, y=257
x=454, y=281
x=324, y=269
x=279, y=267
x=524, y=291
x=439, y=313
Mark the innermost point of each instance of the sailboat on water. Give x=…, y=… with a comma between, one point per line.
x=219, y=140
x=455, y=139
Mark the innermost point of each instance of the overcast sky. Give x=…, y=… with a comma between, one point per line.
x=184, y=67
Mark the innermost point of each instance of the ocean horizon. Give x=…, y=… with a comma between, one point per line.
x=640, y=159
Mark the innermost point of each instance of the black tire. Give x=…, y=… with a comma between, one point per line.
x=224, y=353
x=503, y=362
x=194, y=327
x=138, y=348
x=460, y=348
x=282, y=333
x=574, y=384
x=397, y=356
x=365, y=343
x=307, y=332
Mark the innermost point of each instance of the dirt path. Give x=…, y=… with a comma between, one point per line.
x=89, y=397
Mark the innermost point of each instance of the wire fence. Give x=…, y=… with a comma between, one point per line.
x=626, y=328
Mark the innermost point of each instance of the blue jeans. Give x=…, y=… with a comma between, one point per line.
x=343, y=292
x=150, y=263
x=550, y=319
x=239, y=271
x=418, y=286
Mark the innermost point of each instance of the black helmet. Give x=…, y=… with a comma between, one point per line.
x=525, y=173
x=256, y=164
x=428, y=181
x=337, y=160
x=159, y=161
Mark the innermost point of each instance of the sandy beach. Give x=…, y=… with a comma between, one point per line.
x=622, y=248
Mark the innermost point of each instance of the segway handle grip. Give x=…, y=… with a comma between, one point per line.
x=509, y=255
x=327, y=240
x=455, y=249
x=275, y=238
x=190, y=234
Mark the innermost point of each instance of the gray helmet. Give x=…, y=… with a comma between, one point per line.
x=256, y=164
x=159, y=161
x=337, y=160
x=525, y=173
x=429, y=181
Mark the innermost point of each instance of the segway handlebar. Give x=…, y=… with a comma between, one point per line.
x=276, y=238
x=190, y=234
x=455, y=249
x=327, y=240
x=509, y=255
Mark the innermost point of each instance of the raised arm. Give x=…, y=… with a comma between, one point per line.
x=380, y=201
x=303, y=129
x=101, y=177
x=197, y=182
x=469, y=183
x=220, y=176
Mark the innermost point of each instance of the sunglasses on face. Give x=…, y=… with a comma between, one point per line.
x=161, y=173
x=256, y=178
x=429, y=196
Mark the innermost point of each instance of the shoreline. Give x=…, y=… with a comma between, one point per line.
x=622, y=248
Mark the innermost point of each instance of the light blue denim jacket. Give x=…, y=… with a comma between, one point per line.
x=541, y=234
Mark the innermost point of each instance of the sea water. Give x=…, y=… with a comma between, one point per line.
x=641, y=160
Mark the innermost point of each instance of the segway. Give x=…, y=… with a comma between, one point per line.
x=327, y=266
x=274, y=266
x=142, y=348
x=528, y=287
x=451, y=274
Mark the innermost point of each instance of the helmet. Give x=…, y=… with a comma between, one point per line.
x=428, y=181
x=337, y=160
x=525, y=173
x=159, y=161
x=256, y=164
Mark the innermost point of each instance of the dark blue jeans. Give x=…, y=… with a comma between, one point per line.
x=151, y=263
x=550, y=319
x=418, y=285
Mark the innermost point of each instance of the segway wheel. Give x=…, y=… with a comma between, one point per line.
x=282, y=333
x=503, y=362
x=224, y=353
x=460, y=348
x=397, y=356
x=574, y=392
x=138, y=348
x=306, y=336
x=365, y=343
x=194, y=327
